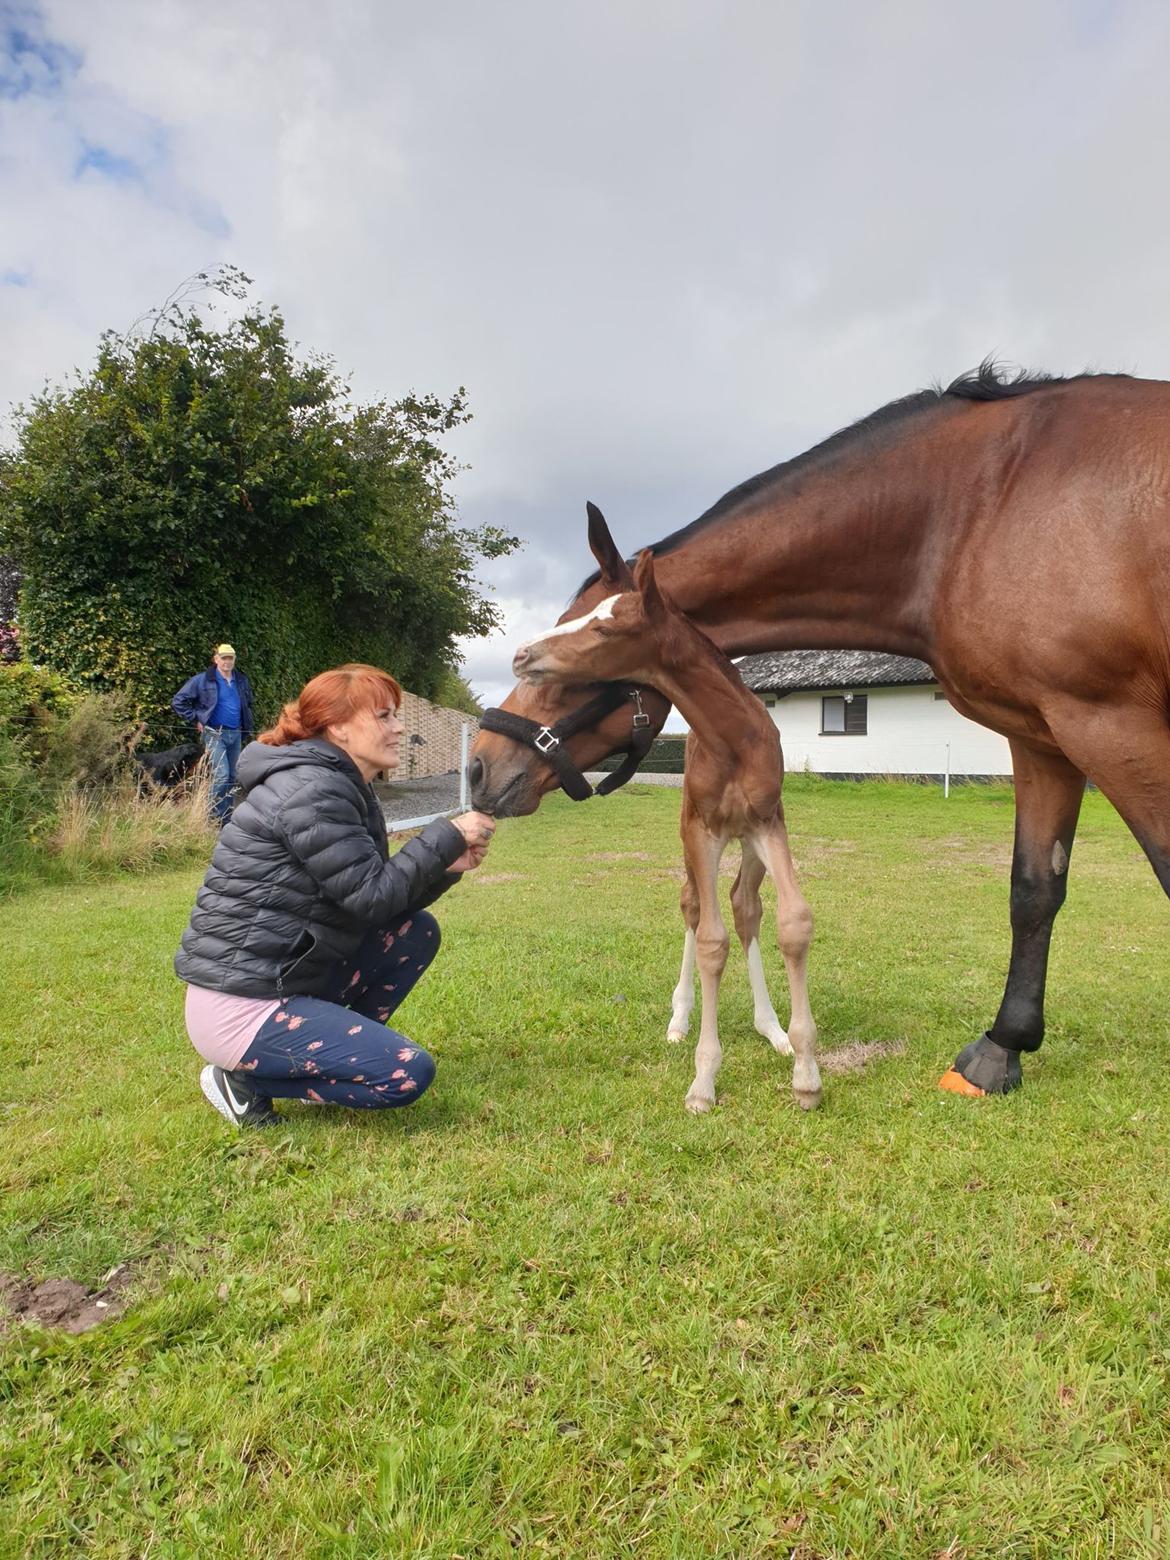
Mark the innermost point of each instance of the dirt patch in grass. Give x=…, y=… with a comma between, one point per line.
x=620, y=855
x=970, y=852
x=815, y=849
x=498, y=877
x=62, y=1302
x=857, y=1057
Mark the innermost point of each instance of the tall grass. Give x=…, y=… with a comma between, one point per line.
x=73, y=807
x=22, y=802
x=124, y=829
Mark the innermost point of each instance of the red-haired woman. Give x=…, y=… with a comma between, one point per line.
x=307, y=934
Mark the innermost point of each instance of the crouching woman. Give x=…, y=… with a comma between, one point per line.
x=307, y=934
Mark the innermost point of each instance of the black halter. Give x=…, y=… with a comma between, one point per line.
x=549, y=741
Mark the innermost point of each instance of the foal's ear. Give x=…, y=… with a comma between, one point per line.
x=614, y=568
x=654, y=601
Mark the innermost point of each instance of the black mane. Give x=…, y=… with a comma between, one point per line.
x=988, y=382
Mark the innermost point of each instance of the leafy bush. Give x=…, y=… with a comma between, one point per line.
x=202, y=484
x=70, y=803
x=90, y=748
x=23, y=801
x=9, y=584
x=33, y=700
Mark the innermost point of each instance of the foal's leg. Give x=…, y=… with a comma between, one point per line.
x=794, y=924
x=683, y=999
x=748, y=912
x=703, y=851
x=1049, y=789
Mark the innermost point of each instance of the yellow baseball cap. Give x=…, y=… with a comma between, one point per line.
x=225, y=649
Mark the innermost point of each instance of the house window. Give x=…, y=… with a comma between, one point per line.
x=769, y=701
x=844, y=716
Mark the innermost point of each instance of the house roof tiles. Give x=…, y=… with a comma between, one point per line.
x=799, y=671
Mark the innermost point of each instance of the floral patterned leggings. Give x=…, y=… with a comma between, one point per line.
x=341, y=1052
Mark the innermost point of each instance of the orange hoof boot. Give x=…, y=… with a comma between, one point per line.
x=954, y=1083
x=982, y=1068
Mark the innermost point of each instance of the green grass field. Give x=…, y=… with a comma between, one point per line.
x=546, y=1311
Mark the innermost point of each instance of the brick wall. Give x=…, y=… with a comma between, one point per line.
x=439, y=728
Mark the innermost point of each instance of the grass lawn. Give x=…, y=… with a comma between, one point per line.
x=547, y=1312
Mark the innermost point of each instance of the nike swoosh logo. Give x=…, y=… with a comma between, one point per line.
x=236, y=1104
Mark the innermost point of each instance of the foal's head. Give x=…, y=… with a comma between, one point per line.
x=626, y=635
x=507, y=777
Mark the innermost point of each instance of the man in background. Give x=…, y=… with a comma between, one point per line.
x=218, y=703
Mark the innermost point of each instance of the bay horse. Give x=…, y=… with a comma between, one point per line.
x=1012, y=532
x=732, y=781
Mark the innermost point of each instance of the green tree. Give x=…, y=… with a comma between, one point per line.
x=456, y=693
x=206, y=483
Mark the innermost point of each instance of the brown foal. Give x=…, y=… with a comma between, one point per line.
x=731, y=791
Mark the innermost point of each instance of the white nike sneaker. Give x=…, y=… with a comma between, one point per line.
x=236, y=1101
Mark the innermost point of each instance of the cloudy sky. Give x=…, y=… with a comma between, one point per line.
x=664, y=243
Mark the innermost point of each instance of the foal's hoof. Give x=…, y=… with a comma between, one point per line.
x=676, y=1036
x=776, y=1038
x=808, y=1099
x=699, y=1104
x=983, y=1068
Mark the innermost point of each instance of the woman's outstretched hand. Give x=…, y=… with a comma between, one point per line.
x=477, y=829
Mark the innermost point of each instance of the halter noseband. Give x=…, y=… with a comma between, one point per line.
x=549, y=741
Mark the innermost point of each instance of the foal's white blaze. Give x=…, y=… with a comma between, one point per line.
x=764, y=1018
x=603, y=609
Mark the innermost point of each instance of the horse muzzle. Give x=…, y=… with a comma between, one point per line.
x=503, y=790
x=529, y=666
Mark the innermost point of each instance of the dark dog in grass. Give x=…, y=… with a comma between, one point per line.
x=167, y=770
x=163, y=770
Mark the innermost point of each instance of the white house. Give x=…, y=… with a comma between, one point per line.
x=862, y=712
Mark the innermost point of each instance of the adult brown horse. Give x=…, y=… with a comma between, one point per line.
x=1015, y=534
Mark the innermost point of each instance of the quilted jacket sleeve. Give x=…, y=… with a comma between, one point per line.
x=428, y=897
x=325, y=830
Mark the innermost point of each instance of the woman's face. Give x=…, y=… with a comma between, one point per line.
x=371, y=738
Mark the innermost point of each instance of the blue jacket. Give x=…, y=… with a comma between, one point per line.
x=199, y=695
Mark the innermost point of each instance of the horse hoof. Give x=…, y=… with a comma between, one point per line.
x=778, y=1040
x=808, y=1099
x=699, y=1104
x=983, y=1068
x=676, y=1036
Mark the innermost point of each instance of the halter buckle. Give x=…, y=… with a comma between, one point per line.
x=544, y=741
x=641, y=718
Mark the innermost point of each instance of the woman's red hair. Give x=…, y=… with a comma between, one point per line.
x=330, y=698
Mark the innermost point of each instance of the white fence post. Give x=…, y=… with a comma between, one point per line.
x=464, y=749
x=947, y=774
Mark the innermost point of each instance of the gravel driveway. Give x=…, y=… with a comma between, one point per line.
x=407, y=800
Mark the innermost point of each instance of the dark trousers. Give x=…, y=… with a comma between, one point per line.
x=341, y=1052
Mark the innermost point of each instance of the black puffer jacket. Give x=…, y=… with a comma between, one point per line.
x=300, y=874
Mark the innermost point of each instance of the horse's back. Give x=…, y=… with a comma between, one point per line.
x=1060, y=565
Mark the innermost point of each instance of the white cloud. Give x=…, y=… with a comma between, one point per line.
x=664, y=245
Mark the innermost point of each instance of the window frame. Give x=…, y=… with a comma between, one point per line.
x=856, y=704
